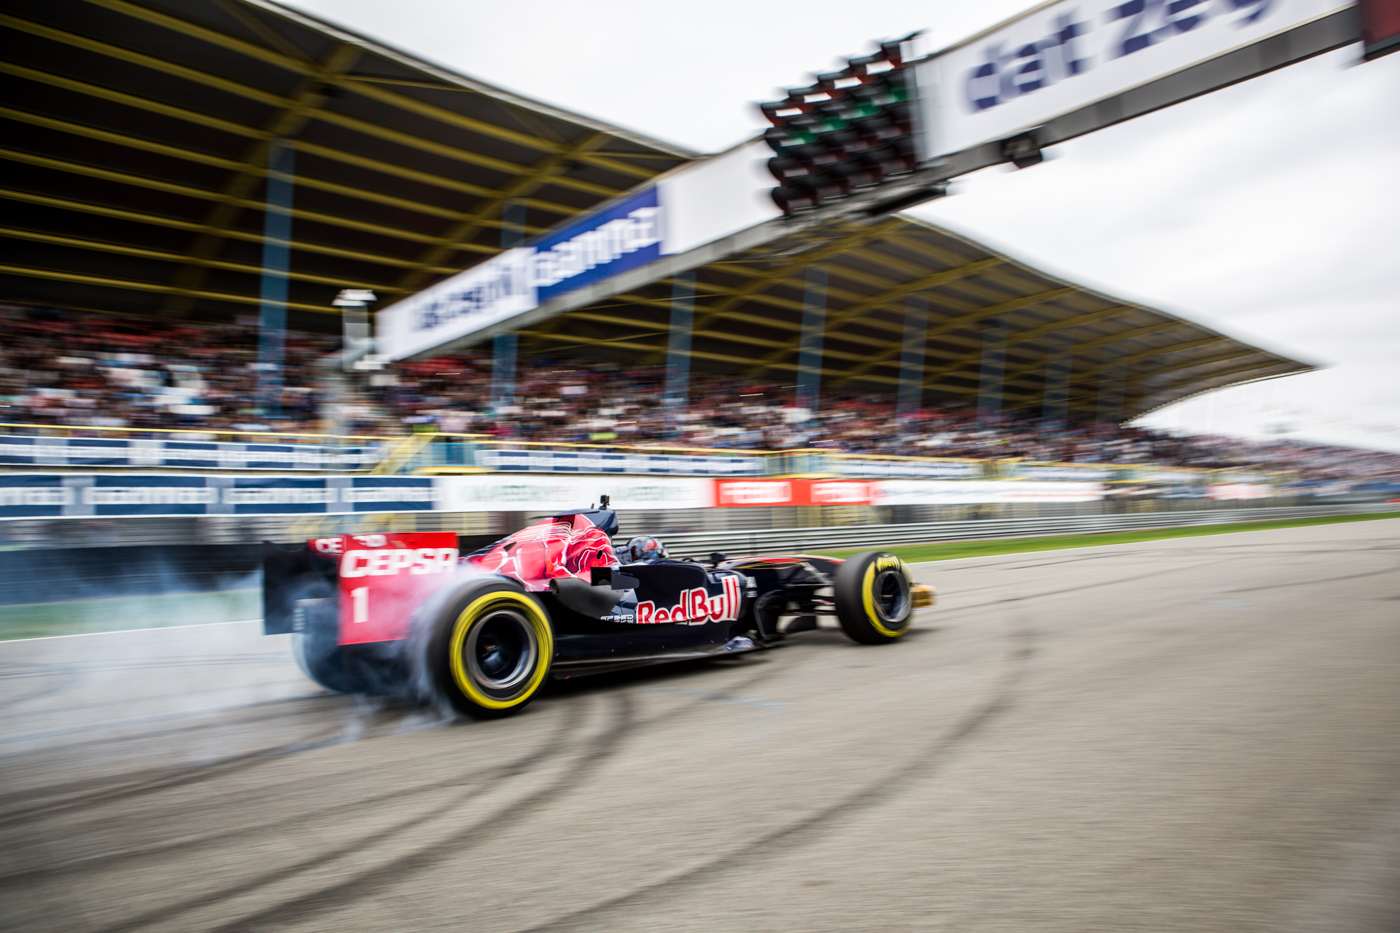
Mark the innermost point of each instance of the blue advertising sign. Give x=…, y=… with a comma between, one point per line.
x=622, y=237
x=109, y=495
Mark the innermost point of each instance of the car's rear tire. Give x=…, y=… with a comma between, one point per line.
x=321, y=662
x=491, y=648
x=873, y=602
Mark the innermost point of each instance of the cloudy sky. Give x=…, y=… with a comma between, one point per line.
x=1270, y=210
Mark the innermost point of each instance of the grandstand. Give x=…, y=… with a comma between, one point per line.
x=138, y=136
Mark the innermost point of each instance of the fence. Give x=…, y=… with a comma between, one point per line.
x=189, y=451
x=70, y=446
x=880, y=536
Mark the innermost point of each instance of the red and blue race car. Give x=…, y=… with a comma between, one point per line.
x=409, y=614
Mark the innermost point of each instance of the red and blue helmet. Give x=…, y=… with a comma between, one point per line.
x=645, y=547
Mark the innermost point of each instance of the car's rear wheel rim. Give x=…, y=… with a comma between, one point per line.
x=501, y=651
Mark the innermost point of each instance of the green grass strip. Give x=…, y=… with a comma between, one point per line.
x=952, y=550
x=83, y=616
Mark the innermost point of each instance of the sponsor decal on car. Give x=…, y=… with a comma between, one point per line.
x=696, y=606
x=392, y=562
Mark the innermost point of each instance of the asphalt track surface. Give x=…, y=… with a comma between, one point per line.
x=1195, y=734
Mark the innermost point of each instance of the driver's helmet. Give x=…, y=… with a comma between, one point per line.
x=645, y=547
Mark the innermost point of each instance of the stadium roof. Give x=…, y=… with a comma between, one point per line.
x=1119, y=359
x=136, y=147
x=136, y=138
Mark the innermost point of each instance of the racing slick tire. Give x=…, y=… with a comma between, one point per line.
x=491, y=648
x=872, y=596
x=319, y=663
x=375, y=670
x=316, y=650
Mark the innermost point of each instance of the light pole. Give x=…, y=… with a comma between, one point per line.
x=355, y=354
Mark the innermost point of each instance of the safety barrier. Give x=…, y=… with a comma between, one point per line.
x=852, y=537
x=438, y=453
x=185, y=451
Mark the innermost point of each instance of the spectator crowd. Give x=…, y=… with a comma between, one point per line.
x=70, y=368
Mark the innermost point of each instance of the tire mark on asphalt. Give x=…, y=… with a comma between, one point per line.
x=522, y=765
x=1156, y=572
x=369, y=882
x=181, y=778
x=91, y=863
x=365, y=884
x=1019, y=652
x=147, y=720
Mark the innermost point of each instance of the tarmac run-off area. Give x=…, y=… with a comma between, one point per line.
x=1191, y=734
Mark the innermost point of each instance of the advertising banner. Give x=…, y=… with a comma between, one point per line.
x=1239, y=491
x=908, y=469
x=975, y=492
x=1060, y=57
x=1063, y=472
x=483, y=295
x=19, y=450
x=491, y=493
x=613, y=240
x=769, y=492
x=583, y=461
x=682, y=211
x=115, y=495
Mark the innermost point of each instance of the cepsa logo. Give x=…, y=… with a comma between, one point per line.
x=391, y=562
x=696, y=607
x=337, y=544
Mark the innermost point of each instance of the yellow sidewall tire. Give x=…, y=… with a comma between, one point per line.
x=872, y=614
x=856, y=593
x=456, y=628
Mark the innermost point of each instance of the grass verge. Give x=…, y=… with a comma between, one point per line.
x=83, y=616
x=952, y=550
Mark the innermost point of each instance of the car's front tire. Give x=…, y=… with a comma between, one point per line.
x=873, y=598
x=491, y=647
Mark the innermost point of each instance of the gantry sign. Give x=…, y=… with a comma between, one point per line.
x=1060, y=70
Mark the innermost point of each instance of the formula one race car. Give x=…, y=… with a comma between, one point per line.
x=405, y=614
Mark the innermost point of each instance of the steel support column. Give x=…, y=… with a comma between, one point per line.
x=1111, y=387
x=809, y=357
x=276, y=264
x=989, y=394
x=911, y=363
x=503, y=347
x=1059, y=361
x=678, y=349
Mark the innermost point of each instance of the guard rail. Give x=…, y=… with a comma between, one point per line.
x=851, y=537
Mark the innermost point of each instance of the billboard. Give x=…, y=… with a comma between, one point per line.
x=1063, y=56
x=730, y=493
x=682, y=211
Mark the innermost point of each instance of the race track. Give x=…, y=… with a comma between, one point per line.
x=1194, y=734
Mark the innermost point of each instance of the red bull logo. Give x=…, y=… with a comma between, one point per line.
x=696, y=607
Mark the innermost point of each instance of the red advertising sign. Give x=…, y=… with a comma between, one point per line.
x=755, y=492
x=1380, y=27
x=383, y=578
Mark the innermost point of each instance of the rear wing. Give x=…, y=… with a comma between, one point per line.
x=366, y=586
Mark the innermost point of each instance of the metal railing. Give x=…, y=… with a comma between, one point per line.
x=433, y=453
x=852, y=537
